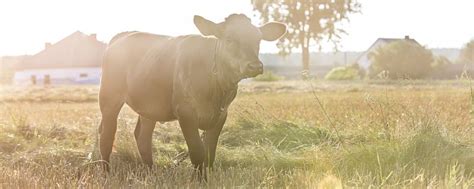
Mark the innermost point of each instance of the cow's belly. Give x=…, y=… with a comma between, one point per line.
x=155, y=106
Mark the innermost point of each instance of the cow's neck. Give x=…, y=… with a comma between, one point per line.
x=226, y=77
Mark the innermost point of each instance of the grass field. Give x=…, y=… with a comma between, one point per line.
x=294, y=134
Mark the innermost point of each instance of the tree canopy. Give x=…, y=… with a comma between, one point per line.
x=309, y=21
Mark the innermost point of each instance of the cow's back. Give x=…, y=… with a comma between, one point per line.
x=128, y=48
x=133, y=62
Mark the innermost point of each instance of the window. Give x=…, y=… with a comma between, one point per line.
x=82, y=75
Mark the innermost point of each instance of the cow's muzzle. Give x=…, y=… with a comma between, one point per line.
x=254, y=69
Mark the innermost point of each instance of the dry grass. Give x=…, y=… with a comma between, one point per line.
x=395, y=134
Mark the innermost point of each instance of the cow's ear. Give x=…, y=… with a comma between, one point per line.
x=272, y=31
x=206, y=27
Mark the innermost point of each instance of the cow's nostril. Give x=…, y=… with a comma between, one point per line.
x=254, y=68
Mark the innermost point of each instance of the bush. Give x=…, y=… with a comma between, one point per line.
x=268, y=76
x=343, y=73
x=401, y=60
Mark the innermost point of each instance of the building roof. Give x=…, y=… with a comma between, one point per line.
x=75, y=50
x=389, y=40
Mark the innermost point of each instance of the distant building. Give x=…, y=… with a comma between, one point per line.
x=75, y=59
x=364, y=61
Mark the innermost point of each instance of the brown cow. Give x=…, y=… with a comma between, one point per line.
x=190, y=78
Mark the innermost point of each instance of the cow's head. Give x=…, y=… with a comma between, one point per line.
x=240, y=41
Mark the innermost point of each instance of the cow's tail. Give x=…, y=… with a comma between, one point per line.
x=120, y=36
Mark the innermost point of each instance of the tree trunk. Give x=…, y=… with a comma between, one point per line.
x=305, y=54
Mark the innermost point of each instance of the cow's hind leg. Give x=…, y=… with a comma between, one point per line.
x=143, y=136
x=110, y=109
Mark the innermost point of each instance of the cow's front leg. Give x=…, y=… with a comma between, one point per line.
x=189, y=126
x=211, y=138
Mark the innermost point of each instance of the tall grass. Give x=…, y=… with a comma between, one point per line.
x=414, y=138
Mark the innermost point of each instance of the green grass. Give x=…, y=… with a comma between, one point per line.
x=395, y=135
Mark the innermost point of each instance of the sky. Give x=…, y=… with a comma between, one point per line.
x=25, y=25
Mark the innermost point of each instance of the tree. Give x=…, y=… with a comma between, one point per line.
x=467, y=53
x=309, y=22
x=401, y=60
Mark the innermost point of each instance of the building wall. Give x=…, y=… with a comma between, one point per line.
x=58, y=76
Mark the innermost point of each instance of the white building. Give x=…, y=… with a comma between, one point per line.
x=364, y=60
x=74, y=60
